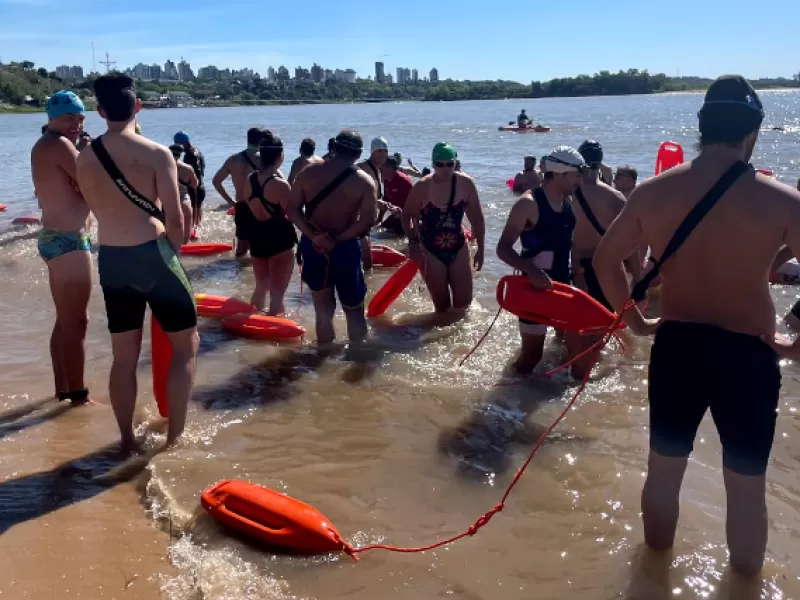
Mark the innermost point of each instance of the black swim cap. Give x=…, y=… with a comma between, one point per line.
x=731, y=111
x=349, y=139
x=592, y=153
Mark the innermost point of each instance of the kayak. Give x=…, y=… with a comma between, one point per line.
x=536, y=129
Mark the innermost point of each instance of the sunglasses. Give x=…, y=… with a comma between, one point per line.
x=442, y=165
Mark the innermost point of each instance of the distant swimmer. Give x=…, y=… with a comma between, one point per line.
x=333, y=205
x=397, y=187
x=64, y=243
x=238, y=167
x=411, y=170
x=187, y=180
x=432, y=219
x=716, y=346
x=272, y=237
x=307, y=157
x=131, y=184
x=195, y=159
x=379, y=152
x=625, y=179
x=543, y=221
x=528, y=178
x=522, y=120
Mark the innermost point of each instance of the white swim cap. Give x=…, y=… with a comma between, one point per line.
x=563, y=159
x=379, y=143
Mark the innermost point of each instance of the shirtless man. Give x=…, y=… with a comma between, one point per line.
x=238, y=167
x=333, y=205
x=625, y=179
x=379, y=152
x=716, y=346
x=543, y=221
x=130, y=183
x=63, y=242
x=528, y=178
x=187, y=180
x=307, y=157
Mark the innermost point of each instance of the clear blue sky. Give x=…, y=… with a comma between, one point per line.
x=471, y=39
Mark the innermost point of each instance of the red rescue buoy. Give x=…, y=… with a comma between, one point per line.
x=219, y=307
x=393, y=287
x=510, y=183
x=205, y=249
x=274, y=518
x=3, y=208
x=160, y=357
x=263, y=327
x=563, y=307
x=26, y=221
x=231, y=211
x=670, y=154
x=384, y=256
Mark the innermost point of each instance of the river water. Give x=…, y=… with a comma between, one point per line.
x=394, y=445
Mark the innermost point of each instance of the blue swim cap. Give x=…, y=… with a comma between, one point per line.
x=181, y=138
x=64, y=102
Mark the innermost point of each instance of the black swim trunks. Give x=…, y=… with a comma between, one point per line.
x=148, y=274
x=197, y=196
x=244, y=220
x=693, y=367
x=593, y=287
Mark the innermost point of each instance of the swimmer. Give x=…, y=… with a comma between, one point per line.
x=432, y=219
x=397, y=187
x=307, y=157
x=333, y=205
x=411, y=170
x=273, y=236
x=195, y=159
x=528, y=178
x=716, y=346
x=625, y=179
x=238, y=167
x=379, y=152
x=83, y=140
x=64, y=243
x=187, y=180
x=331, y=149
x=543, y=221
x=131, y=185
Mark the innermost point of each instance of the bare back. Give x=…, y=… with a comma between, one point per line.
x=342, y=207
x=720, y=274
x=300, y=163
x=605, y=203
x=239, y=169
x=145, y=164
x=53, y=168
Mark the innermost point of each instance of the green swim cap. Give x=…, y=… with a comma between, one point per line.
x=443, y=152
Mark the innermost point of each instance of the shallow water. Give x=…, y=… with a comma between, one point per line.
x=394, y=444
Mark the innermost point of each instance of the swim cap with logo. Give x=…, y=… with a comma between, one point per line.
x=731, y=110
x=731, y=90
x=64, y=102
x=564, y=159
x=443, y=152
x=181, y=138
x=592, y=153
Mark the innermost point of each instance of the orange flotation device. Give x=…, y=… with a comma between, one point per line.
x=219, y=307
x=384, y=256
x=263, y=327
x=563, y=307
x=3, y=208
x=274, y=518
x=160, y=357
x=393, y=287
x=205, y=249
x=231, y=211
x=26, y=221
x=670, y=154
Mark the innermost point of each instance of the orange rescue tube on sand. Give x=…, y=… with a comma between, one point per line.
x=219, y=307
x=160, y=357
x=670, y=154
x=263, y=327
x=271, y=517
x=393, y=287
x=205, y=249
x=563, y=307
x=26, y=221
x=384, y=256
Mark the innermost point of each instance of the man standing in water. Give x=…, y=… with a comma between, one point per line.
x=63, y=242
x=333, y=205
x=379, y=152
x=528, y=178
x=238, y=167
x=543, y=221
x=716, y=347
x=131, y=183
x=307, y=157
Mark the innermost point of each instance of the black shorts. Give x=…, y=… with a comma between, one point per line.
x=133, y=277
x=592, y=283
x=197, y=197
x=245, y=221
x=693, y=367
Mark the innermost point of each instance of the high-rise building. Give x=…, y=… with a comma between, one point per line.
x=403, y=75
x=66, y=72
x=209, y=72
x=414, y=76
x=379, y=74
x=271, y=75
x=170, y=71
x=434, y=75
x=185, y=71
x=317, y=73
x=349, y=76
x=387, y=79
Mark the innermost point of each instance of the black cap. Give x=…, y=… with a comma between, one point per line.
x=592, y=152
x=349, y=139
x=732, y=90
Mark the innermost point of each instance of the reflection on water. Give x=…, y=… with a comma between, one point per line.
x=389, y=439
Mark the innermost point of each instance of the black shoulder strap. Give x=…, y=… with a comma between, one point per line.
x=268, y=206
x=328, y=190
x=692, y=220
x=588, y=212
x=243, y=154
x=122, y=184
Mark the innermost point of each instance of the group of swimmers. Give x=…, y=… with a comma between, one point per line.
x=715, y=342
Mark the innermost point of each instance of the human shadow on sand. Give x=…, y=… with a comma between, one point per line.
x=32, y=496
x=31, y=414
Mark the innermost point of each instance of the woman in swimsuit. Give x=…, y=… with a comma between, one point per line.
x=432, y=219
x=273, y=236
